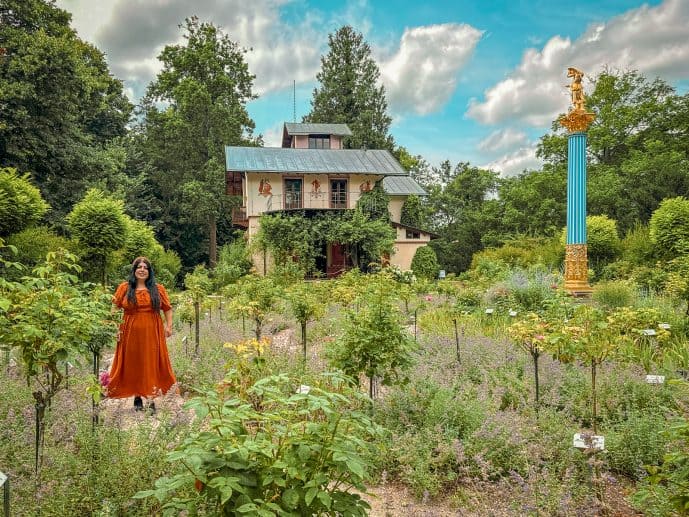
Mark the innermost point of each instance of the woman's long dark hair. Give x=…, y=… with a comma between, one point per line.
x=150, y=284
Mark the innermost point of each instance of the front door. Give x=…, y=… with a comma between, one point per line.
x=338, y=261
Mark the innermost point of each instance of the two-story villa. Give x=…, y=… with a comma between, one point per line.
x=311, y=172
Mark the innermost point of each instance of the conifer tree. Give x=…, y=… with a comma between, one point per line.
x=350, y=93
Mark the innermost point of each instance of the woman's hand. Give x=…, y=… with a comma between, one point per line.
x=168, y=330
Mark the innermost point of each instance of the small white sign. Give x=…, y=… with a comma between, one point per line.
x=648, y=332
x=3, y=478
x=664, y=326
x=589, y=441
x=303, y=389
x=513, y=313
x=441, y=274
x=489, y=311
x=655, y=379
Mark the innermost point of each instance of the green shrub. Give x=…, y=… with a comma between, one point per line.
x=21, y=204
x=425, y=263
x=412, y=212
x=635, y=442
x=234, y=262
x=669, y=227
x=495, y=451
x=613, y=294
x=33, y=244
x=268, y=449
x=637, y=246
x=602, y=240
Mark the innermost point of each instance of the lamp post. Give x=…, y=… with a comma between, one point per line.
x=577, y=122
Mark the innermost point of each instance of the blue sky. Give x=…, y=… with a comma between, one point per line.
x=466, y=80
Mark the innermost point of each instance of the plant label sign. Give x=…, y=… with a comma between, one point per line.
x=589, y=441
x=3, y=478
x=489, y=311
x=655, y=379
x=303, y=389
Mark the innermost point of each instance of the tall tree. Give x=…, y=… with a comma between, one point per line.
x=204, y=85
x=349, y=92
x=60, y=106
x=465, y=213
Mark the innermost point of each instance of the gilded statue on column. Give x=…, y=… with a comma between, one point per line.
x=578, y=119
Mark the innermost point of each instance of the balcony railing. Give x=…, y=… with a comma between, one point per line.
x=239, y=217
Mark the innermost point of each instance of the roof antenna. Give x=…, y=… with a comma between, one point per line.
x=294, y=100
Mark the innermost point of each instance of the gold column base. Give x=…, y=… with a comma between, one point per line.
x=576, y=270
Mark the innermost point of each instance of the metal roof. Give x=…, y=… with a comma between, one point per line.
x=402, y=186
x=312, y=161
x=294, y=128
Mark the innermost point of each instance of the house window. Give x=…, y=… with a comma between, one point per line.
x=338, y=194
x=319, y=141
x=293, y=193
x=411, y=234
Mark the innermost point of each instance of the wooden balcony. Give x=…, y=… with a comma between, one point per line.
x=239, y=217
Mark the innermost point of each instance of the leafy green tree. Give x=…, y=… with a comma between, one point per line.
x=465, y=213
x=198, y=285
x=534, y=203
x=61, y=107
x=350, y=93
x=204, y=85
x=98, y=224
x=424, y=264
x=669, y=227
x=255, y=297
x=21, y=204
x=306, y=304
x=373, y=341
x=33, y=244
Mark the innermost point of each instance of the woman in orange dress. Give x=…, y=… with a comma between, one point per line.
x=141, y=366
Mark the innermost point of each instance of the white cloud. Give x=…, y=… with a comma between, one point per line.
x=422, y=76
x=652, y=40
x=273, y=136
x=502, y=139
x=516, y=162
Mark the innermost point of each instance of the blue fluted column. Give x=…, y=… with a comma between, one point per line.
x=576, y=261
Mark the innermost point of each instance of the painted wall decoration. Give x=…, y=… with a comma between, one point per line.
x=264, y=188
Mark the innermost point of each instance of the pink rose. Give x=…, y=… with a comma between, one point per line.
x=104, y=379
x=429, y=298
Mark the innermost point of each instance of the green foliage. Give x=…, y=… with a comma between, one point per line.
x=269, y=451
x=62, y=108
x=374, y=204
x=198, y=283
x=33, y=244
x=21, y=204
x=255, y=297
x=425, y=263
x=636, y=442
x=349, y=92
x=523, y=251
x=614, y=294
x=373, y=341
x=669, y=227
x=233, y=263
x=637, y=246
x=412, y=212
x=666, y=489
x=51, y=319
x=98, y=224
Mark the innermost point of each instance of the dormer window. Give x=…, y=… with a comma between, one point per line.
x=319, y=141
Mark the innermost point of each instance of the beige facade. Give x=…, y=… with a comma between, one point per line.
x=255, y=174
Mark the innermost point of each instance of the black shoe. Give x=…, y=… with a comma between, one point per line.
x=152, y=407
x=138, y=404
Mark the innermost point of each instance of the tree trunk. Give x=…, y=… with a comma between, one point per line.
x=212, y=241
x=197, y=317
x=303, y=339
x=535, y=373
x=593, y=392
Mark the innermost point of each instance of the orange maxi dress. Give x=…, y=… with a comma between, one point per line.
x=141, y=365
